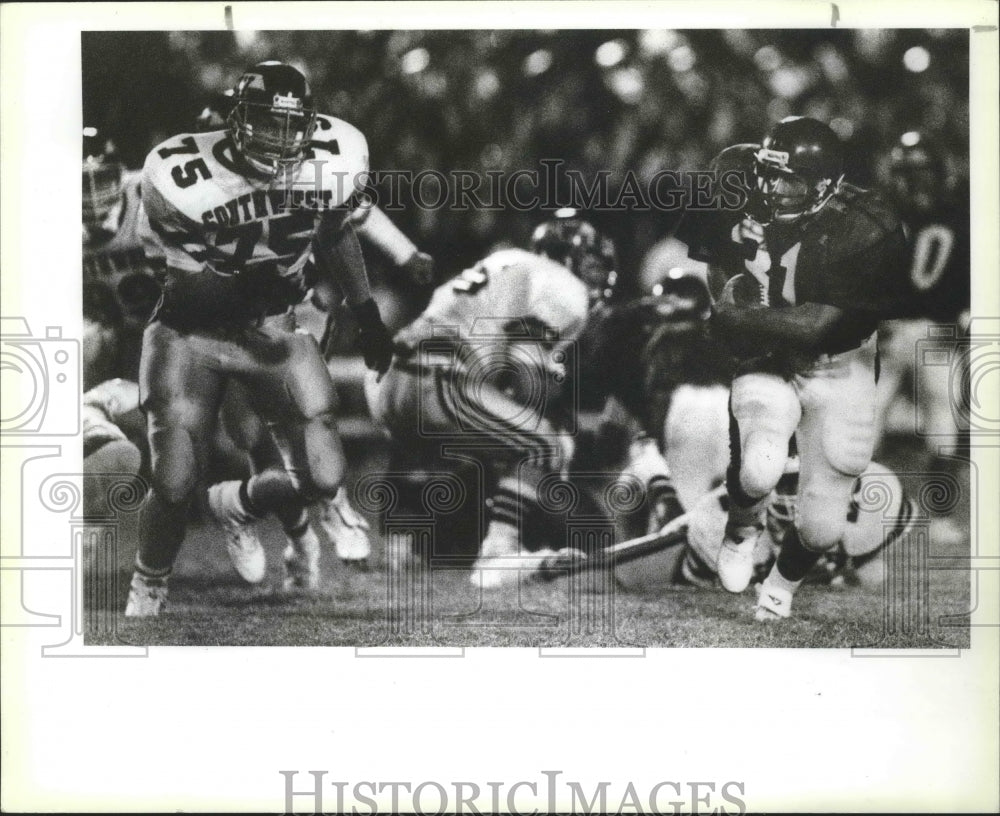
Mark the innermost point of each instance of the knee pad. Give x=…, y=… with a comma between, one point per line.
x=325, y=468
x=821, y=517
x=765, y=402
x=308, y=382
x=762, y=461
x=116, y=456
x=175, y=464
x=849, y=442
x=767, y=411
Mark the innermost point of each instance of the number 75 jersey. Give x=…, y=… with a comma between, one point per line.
x=209, y=214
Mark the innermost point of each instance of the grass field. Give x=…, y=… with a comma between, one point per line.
x=439, y=606
x=209, y=605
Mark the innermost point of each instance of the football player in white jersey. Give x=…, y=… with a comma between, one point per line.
x=238, y=213
x=120, y=289
x=347, y=529
x=483, y=364
x=344, y=526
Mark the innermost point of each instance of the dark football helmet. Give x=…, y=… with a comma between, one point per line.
x=273, y=118
x=682, y=299
x=918, y=174
x=102, y=177
x=583, y=250
x=798, y=167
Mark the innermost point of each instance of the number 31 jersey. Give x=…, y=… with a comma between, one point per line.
x=213, y=216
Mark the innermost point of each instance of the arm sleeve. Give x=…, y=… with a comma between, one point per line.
x=374, y=228
x=338, y=255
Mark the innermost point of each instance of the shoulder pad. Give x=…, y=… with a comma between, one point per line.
x=508, y=257
x=855, y=218
x=340, y=152
x=172, y=162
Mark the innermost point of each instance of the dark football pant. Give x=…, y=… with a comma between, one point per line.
x=183, y=379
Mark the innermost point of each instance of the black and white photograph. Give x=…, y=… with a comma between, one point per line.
x=647, y=339
x=454, y=338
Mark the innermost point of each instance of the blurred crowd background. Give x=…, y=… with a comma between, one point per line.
x=643, y=101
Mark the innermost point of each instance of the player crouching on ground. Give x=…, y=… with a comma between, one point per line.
x=482, y=367
x=816, y=263
x=235, y=258
x=879, y=517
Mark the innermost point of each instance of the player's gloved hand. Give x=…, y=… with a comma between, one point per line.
x=750, y=234
x=419, y=268
x=374, y=339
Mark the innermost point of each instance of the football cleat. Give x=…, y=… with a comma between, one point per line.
x=773, y=603
x=302, y=560
x=736, y=561
x=346, y=528
x=242, y=543
x=498, y=557
x=146, y=596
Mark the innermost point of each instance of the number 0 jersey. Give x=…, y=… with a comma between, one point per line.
x=940, y=276
x=236, y=242
x=508, y=293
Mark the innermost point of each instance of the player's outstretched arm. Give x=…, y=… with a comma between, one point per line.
x=339, y=258
x=375, y=228
x=804, y=327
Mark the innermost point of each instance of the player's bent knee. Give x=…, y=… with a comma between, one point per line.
x=763, y=462
x=321, y=483
x=326, y=464
x=117, y=456
x=821, y=521
x=853, y=455
x=175, y=465
x=848, y=447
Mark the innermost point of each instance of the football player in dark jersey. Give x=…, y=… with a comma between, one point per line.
x=935, y=211
x=812, y=268
x=651, y=367
x=238, y=213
